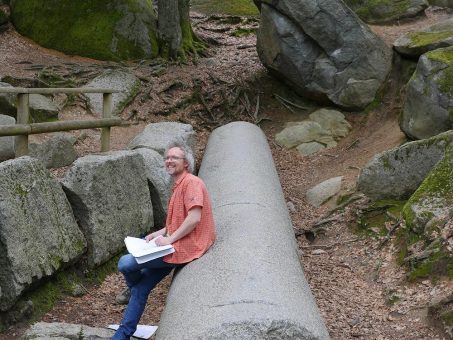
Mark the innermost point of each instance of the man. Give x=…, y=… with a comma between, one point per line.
x=189, y=228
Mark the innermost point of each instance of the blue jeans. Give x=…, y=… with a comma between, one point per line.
x=141, y=279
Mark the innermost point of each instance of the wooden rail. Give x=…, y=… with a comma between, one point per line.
x=22, y=129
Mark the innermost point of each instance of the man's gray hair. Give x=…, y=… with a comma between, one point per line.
x=188, y=155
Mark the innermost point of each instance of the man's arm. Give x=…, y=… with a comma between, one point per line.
x=189, y=223
x=160, y=232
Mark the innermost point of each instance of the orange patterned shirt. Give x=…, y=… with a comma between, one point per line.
x=188, y=192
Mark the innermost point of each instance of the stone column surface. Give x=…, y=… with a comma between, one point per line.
x=250, y=284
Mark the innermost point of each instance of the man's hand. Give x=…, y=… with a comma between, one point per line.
x=162, y=241
x=155, y=234
x=149, y=237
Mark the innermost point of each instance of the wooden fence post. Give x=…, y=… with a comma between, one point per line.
x=106, y=113
x=23, y=113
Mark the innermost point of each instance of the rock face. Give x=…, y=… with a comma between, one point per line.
x=55, y=152
x=322, y=50
x=428, y=108
x=157, y=136
x=108, y=30
x=398, y=172
x=66, y=331
x=7, y=142
x=125, y=82
x=433, y=200
x=42, y=109
x=38, y=232
x=110, y=198
x=384, y=11
x=414, y=44
x=239, y=289
x=159, y=184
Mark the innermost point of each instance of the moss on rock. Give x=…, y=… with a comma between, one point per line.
x=426, y=38
x=63, y=283
x=232, y=7
x=382, y=11
x=426, y=213
x=434, y=197
x=92, y=28
x=373, y=219
x=445, y=56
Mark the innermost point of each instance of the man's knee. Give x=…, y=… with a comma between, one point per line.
x=127, y=263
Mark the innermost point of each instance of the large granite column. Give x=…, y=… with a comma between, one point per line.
x=250, y=284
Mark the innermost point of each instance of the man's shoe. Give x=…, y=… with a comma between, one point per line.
x=123, y=297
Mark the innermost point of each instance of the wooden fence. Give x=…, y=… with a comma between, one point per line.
x=23, y=128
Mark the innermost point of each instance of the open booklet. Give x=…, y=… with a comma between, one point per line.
x=146, y=251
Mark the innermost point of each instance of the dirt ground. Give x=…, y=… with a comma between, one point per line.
x=351, y=277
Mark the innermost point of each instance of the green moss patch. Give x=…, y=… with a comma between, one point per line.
x=232, y=7
x=379, y=10
x=372, y=220
x=436, y=192
x=426, y=38
x=240, y=32
x=433, y=267
x=444, y=55
x=64, y=283
x=84, y=28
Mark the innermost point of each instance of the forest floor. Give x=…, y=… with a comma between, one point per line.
x=360, y=289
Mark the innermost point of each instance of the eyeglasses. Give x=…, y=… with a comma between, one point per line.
x=173, y=158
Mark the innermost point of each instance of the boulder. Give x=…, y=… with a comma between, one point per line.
x=7, y=150
x=304, y=132
x=7, y=102
x=306, y=149
x=66, y=331
x=332, y=121
x=398, y=172
x=123, y=81
x=159, y=182
x=38, y=232
x=414, y=44
x=433, y=200
x=107, y=30
x=321, y=192
x=158, y=136
x=428, y=108
x=110, y=198
x=42, y=109
x=322, y=50
x=384, y=11
x=55, y=152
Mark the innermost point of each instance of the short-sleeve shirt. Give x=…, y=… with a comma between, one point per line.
x=189, y=192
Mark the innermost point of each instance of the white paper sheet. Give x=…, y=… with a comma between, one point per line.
x=143, y=331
